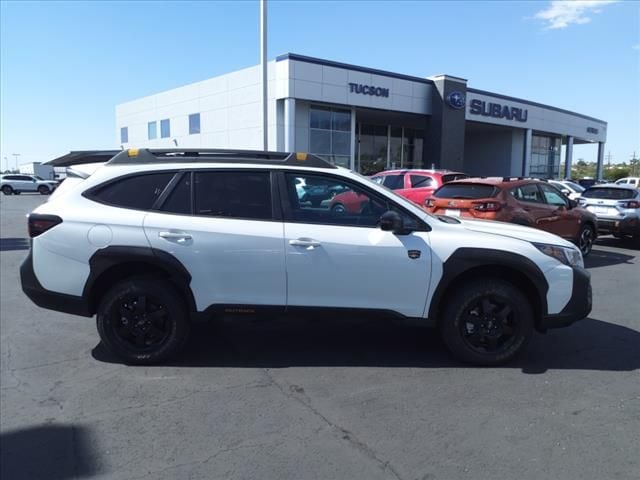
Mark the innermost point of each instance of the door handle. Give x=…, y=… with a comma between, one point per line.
x=180, y=237
x=304, y=242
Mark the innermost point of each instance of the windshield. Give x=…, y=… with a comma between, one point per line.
x=575, y=187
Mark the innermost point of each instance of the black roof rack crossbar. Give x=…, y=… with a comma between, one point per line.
x=80, y=157
x=196, y=155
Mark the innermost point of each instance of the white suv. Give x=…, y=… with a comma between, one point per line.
x=156, y=239
x=15, y=184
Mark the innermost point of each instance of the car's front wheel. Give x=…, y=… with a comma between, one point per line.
x=586, y=237
x=7, y=190
x=44, y=190
x=143, y=320
x=486, y=322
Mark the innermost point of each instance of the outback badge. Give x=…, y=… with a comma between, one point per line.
x=413, y=254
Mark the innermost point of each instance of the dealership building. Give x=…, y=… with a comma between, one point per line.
x=362, y=118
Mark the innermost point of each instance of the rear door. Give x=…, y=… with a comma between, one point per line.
x=533, y=207
x=224, y=228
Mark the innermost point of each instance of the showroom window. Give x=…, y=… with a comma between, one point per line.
x=545, y=157
x=165, y=128
x=124, y=135
x=330, y=134
x=194, y=123
x=152, y=130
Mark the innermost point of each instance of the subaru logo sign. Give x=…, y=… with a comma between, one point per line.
x=456, y=100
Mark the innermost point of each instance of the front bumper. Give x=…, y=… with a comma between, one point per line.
x=579, y=305
x=44, y=298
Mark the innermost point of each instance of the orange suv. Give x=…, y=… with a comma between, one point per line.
x=529, y=202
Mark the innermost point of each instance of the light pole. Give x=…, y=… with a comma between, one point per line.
x=16, y=155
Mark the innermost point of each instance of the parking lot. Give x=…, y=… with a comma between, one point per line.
x=325, y=398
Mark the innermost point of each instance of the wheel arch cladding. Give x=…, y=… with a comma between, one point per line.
x=466, y=264
x=114, y=263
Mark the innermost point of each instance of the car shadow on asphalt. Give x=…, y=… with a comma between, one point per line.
x=610, y=241
x=9, y=244
x=51, y=452
x=588, y=345
x=604, y=258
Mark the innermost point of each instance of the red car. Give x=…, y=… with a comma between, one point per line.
x=414, y=185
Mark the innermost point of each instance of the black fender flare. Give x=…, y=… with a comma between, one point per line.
x=112, y=256
x=464, y=260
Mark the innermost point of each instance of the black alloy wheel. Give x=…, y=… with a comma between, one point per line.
x=43, y=190
x=143, y=320
x=486, y=322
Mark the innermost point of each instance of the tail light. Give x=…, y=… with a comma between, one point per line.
x=487, y=207
x=630, y=204
x=429, y=202
x=38, y=224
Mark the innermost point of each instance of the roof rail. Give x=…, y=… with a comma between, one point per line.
x=195, y=155
x=80, y=157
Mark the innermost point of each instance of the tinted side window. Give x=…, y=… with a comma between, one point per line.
x=333, y=201
x=527, y=193
x=179, y=200
x=138, y=192
x=238, y=194
x=393, y=182
x=418, y=181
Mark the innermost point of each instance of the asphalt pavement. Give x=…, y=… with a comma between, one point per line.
x=318, y=399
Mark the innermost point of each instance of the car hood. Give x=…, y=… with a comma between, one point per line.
x=520, y=232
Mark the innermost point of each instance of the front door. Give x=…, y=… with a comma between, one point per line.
x=336, y=256
x=227, y=237
x=561, y=220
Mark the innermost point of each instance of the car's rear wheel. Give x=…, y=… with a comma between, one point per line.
x=143, y=320
x=44, y=190
x=586, y=237
x=7, y=190
x=338, y=208
x=486, y=322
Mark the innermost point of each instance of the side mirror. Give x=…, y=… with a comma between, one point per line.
x=572, y=204
x=391, y=222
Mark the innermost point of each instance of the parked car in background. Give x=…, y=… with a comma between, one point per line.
x=569, y=188
x=633, y=181
x=530, y=202
x=15, y=184
x=617, y=208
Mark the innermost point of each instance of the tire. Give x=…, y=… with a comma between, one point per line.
x=7, y=190
x=585, y=239
x=131, y=327
x=338, y=208
x=467, y=324
x=42, y=190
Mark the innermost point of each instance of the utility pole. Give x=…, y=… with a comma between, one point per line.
x=263, y=67
x=609, y=157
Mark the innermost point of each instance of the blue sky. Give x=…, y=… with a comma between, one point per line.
x=65, y=65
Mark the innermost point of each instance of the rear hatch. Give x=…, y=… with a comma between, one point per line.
x=608, y=201
x=462, y=199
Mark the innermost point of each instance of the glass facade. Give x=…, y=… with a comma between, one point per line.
x=165, y=128
x=194, y=123
x=124, y=135
x=152, y=130
x=330, y=134
x=545, y=156
x=384, y=147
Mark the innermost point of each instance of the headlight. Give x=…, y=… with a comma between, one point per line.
x=568, y=255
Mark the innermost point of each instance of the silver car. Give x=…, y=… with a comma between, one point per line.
x=15, y=183
x=617, y=208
